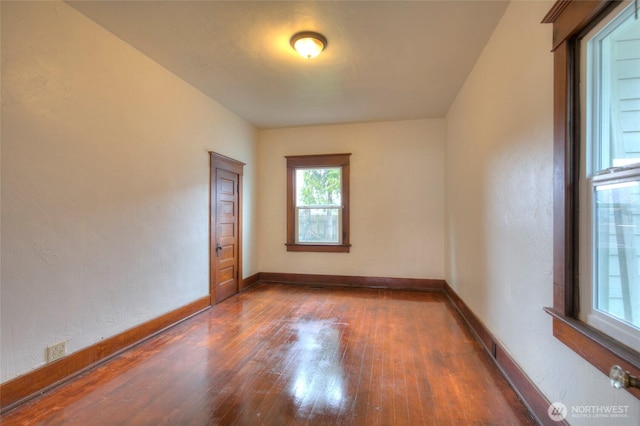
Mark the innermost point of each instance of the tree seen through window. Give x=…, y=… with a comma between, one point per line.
x=318, y=205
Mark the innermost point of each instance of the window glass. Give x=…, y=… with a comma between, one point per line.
x=615, y=76
x=318, y=205
x=617, y=243
x=610, y=270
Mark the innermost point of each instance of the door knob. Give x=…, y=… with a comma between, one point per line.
x=622, y=379
x=218, y=249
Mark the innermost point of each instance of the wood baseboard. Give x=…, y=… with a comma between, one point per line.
x=527, y=391
x=29, y=385
x=249, y=282
x=354, y=281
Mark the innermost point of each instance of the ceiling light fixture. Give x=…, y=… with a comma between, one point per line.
x=308, y=44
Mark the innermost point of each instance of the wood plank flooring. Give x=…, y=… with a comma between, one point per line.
x=292, y=355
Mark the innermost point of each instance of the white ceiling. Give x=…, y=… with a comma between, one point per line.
x=385, y=60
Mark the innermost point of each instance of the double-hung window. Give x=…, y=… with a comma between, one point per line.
x=318, y=203
x=610, y=178
x=596, y=244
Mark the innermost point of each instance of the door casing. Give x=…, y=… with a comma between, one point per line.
x=221, y=162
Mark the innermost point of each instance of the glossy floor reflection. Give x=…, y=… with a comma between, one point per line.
x=279, y=355
x=319, y=377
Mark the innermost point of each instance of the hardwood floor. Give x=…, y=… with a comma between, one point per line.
x=280, y=354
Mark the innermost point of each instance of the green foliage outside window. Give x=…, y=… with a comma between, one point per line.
x=320, y=187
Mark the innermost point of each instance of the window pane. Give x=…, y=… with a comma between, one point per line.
x=318, y=225
x=616, y=68
x=318, y=187
x=318, y=203
x=617, y=229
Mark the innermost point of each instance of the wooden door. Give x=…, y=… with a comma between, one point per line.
x=225, y=246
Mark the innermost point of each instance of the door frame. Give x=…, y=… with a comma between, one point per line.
x=219, y=161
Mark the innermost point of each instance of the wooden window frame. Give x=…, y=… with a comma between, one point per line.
x=325, y=160
x=571, y=20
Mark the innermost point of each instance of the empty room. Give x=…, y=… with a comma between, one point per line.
x=320, y=212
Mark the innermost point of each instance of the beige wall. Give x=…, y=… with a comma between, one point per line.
x=396, y=198
x=105, y=205
x=105, y=177
x=499, y=204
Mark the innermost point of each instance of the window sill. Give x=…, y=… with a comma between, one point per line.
x=321, y=248
x=595, y=347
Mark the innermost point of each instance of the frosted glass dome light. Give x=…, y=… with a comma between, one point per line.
x=308, y=44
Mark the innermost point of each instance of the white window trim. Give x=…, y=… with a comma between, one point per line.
x=339, y=207
x=613, y=327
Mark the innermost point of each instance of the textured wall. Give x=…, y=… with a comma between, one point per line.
x=105, y=177
x=499, y=169
x=396, y=198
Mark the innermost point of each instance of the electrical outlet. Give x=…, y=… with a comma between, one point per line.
x=57, y=351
